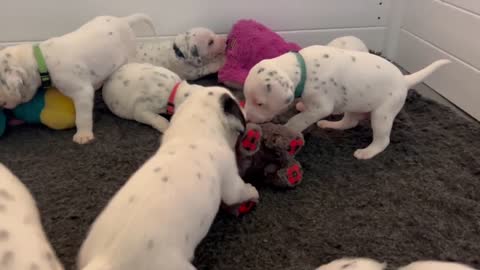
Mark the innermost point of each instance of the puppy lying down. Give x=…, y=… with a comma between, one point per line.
x=191, y=55
x=141, y=92
x=23, y=243
x=330, y=80
x=370, y=264
x=78, y=63
x=157, y=219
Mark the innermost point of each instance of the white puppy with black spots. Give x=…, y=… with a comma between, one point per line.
x=347, y=43
x=192, y=55
x=335, y=81
x=370, y=264
x=157, y=219
x=23, y=243
x=142, y=92
x=78, y=64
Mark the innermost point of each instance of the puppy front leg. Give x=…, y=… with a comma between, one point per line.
x=303, y=120
x=235, y=190
x=83, y=101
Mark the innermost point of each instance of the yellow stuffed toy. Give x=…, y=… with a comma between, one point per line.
x=48, y=107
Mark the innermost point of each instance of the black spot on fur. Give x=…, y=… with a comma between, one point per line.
x=7, y=258
x=260, y=70
x=347, y=265
x=378, y=67
x=272, y=73
x=4, y=235
x=326, y=55
x=194, y=51
x=93, y=73
x=160, y=85
x=186, y=94
x=317, y=87
x=267, y=79
x=325, y=91
x=212, y=157
x=131, y=199
x=199, y=176
x=126, y=82
x=165, y=179
x=8, y=55
x=34, y=266
x=2, y=208
x=391, y=94
x=269, y=88
x=193, y=146
x=354, y=59
x=210, y=93
x=150, y=244
x=171, y=152
x=5, y=195
x=110, y=33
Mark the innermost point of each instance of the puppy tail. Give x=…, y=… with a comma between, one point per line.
x=419, y=76
x=136, y=18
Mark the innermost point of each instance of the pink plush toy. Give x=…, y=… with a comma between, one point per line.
x=248, y=43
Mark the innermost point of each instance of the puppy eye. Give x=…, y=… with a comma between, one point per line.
x=259, y=104
x=210, y=43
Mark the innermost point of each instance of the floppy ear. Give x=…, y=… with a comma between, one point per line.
x=14, y=79
x=232, y=109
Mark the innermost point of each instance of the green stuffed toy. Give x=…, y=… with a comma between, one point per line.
x=48, y=107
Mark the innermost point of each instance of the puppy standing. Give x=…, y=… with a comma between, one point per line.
x=161, y=214
x=347, y=43
x=78, y=64
x=23, y=243
x=336, y=81
x=191, y=55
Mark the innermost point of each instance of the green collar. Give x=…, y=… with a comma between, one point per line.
x=42, y=67
x=303, y=75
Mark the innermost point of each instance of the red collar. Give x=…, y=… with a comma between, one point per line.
x=171, y=99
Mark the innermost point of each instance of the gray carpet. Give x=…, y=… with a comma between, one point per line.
x=418, y=200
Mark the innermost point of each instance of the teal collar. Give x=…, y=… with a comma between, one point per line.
x=303, y=75
x=42, y=67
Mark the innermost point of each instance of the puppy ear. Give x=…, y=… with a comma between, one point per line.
x=232, y=109
x=14, y=79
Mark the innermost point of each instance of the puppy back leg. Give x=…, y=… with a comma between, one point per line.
x=349, y=120
x=83, y=100
x=234, y=189
x=144, y=116
x=382, y=122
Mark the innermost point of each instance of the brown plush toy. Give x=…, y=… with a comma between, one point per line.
x=267, y=151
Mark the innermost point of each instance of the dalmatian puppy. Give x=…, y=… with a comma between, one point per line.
x=157, y=219
x=78, y=64
x=192, y=55
x=23, y=243
x=337, y=81
x=141, y=92
x=347, y=43
x=353, y=264
x=436, y=265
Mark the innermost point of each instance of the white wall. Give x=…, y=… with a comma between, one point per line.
x=434, y=29
x=305, y=21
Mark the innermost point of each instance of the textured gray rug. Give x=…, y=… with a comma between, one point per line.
x=418, y=200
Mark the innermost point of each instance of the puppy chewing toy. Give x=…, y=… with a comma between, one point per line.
x=48, y=107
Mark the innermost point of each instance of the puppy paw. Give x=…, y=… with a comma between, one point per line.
x=300, y=106
x=324, y=124
x=83, y=137
x=252, y=193
x=364, y=154
x=161, y=125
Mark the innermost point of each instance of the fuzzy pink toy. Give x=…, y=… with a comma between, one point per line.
x=248, y=43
